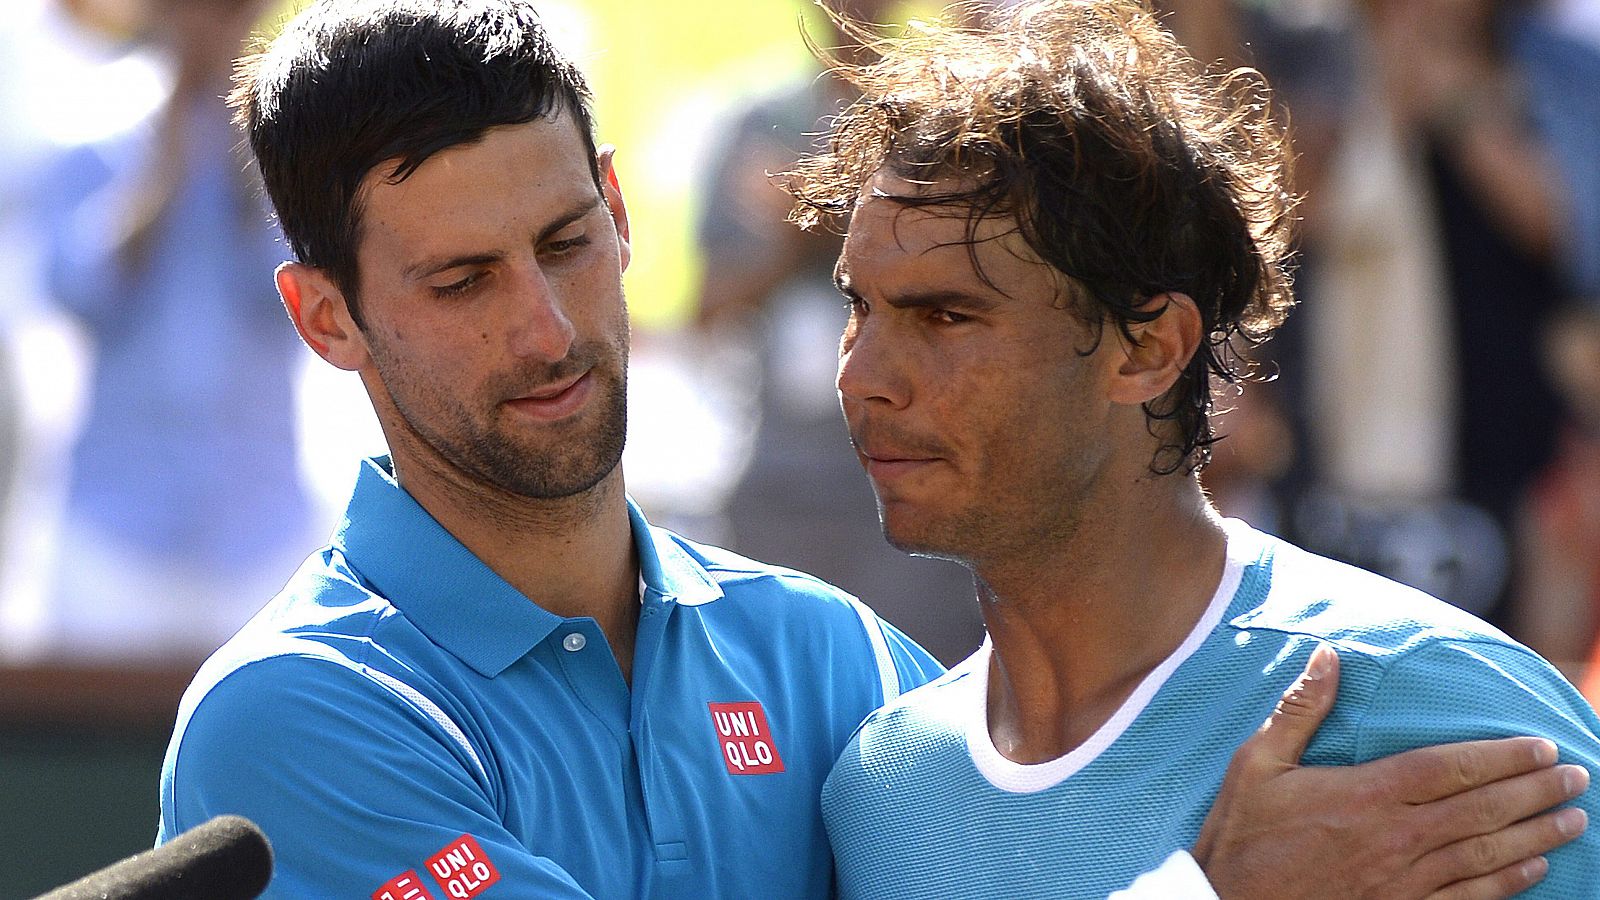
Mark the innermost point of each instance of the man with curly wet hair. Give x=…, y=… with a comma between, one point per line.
x=1061, y=231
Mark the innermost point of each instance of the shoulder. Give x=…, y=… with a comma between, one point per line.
x=324, y=610
x=729, y=569
x=904, y=764
x=323, y=647
x=1293, y=591
x=308, y=716
x=930, y=721
x=1414, y=669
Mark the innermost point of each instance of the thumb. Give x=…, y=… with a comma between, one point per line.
x=1288, y=731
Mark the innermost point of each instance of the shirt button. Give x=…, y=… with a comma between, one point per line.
x=574, y=642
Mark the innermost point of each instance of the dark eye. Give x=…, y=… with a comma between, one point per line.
x=948, y=317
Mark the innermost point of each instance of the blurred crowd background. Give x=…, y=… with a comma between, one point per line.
x=169, y=452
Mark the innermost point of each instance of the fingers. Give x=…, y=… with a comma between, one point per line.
x=1507, y=882
x=1494, y=859
x=1286, y=733
x=1433, y=773
x=1497, y=805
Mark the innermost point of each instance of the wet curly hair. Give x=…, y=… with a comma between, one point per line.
x=1125, y=164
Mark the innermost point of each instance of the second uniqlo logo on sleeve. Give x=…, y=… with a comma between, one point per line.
x=462, y=869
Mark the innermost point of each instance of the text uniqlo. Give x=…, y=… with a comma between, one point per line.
x=462, y=869
x=746, y=741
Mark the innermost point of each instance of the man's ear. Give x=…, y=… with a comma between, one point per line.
x=612, y=190
x=319, y=312
x=1159, y=352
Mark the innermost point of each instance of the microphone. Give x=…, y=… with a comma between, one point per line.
x=227, y=858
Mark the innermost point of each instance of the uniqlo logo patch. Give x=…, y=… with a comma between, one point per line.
x=462, y=869
x=403, y=887
x=746, y=741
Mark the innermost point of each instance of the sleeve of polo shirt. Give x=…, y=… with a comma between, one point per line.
x=1458, y=690
x=360, y=794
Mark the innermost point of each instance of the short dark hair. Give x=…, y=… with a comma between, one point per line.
x=350, y=84
x=1126, y=165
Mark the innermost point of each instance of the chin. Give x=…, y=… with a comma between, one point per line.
x=916, y=536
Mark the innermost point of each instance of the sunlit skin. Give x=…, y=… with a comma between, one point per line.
x=998, y=432
x=506, y=363
x=957, y=444
x=495, y=354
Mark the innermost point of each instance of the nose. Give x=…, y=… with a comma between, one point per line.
x=539, y=326
x=871, y=366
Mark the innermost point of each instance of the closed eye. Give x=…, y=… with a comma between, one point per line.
x=566, y=246
x=457, y=288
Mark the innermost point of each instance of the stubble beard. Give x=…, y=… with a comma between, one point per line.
x=920, y=536
x=975, y=535
x=572, y=466
x=483, y=449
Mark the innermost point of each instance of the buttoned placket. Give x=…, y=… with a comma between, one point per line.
x=662, y=813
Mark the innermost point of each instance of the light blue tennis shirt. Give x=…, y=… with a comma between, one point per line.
x=404, y=724
x=921, y=803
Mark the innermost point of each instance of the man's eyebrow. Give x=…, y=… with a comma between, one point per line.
x=929, y=299
x=941, y=299
x=572, y=215
x=433, y=266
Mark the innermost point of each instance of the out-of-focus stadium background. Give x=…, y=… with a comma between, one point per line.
x=168, y=452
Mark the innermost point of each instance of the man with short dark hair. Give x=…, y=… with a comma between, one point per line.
x=498, y=679
x=1062, y=231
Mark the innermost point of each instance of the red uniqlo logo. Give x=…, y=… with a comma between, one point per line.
x=462, y=868
x=403, y=887
x=747, y=745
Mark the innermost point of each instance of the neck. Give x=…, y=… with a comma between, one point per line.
x=1074, y=631
x=573, y=556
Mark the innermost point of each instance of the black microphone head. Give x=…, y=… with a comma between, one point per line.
x=227, y=858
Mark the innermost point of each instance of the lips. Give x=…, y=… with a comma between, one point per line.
x=889, y=459
x=887, y=470
x=555, y=401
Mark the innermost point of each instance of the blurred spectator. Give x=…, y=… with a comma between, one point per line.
x=1446, y=147
x=67, y=75
x=1558, y=597
x=184, y=507
x=803, y=501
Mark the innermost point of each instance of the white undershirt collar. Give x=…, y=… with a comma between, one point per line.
x=1027, y=778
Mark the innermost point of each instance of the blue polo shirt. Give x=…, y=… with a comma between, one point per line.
x=404, y=724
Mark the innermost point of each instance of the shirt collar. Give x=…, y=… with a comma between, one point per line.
x=408, y=558
x=669, y=572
